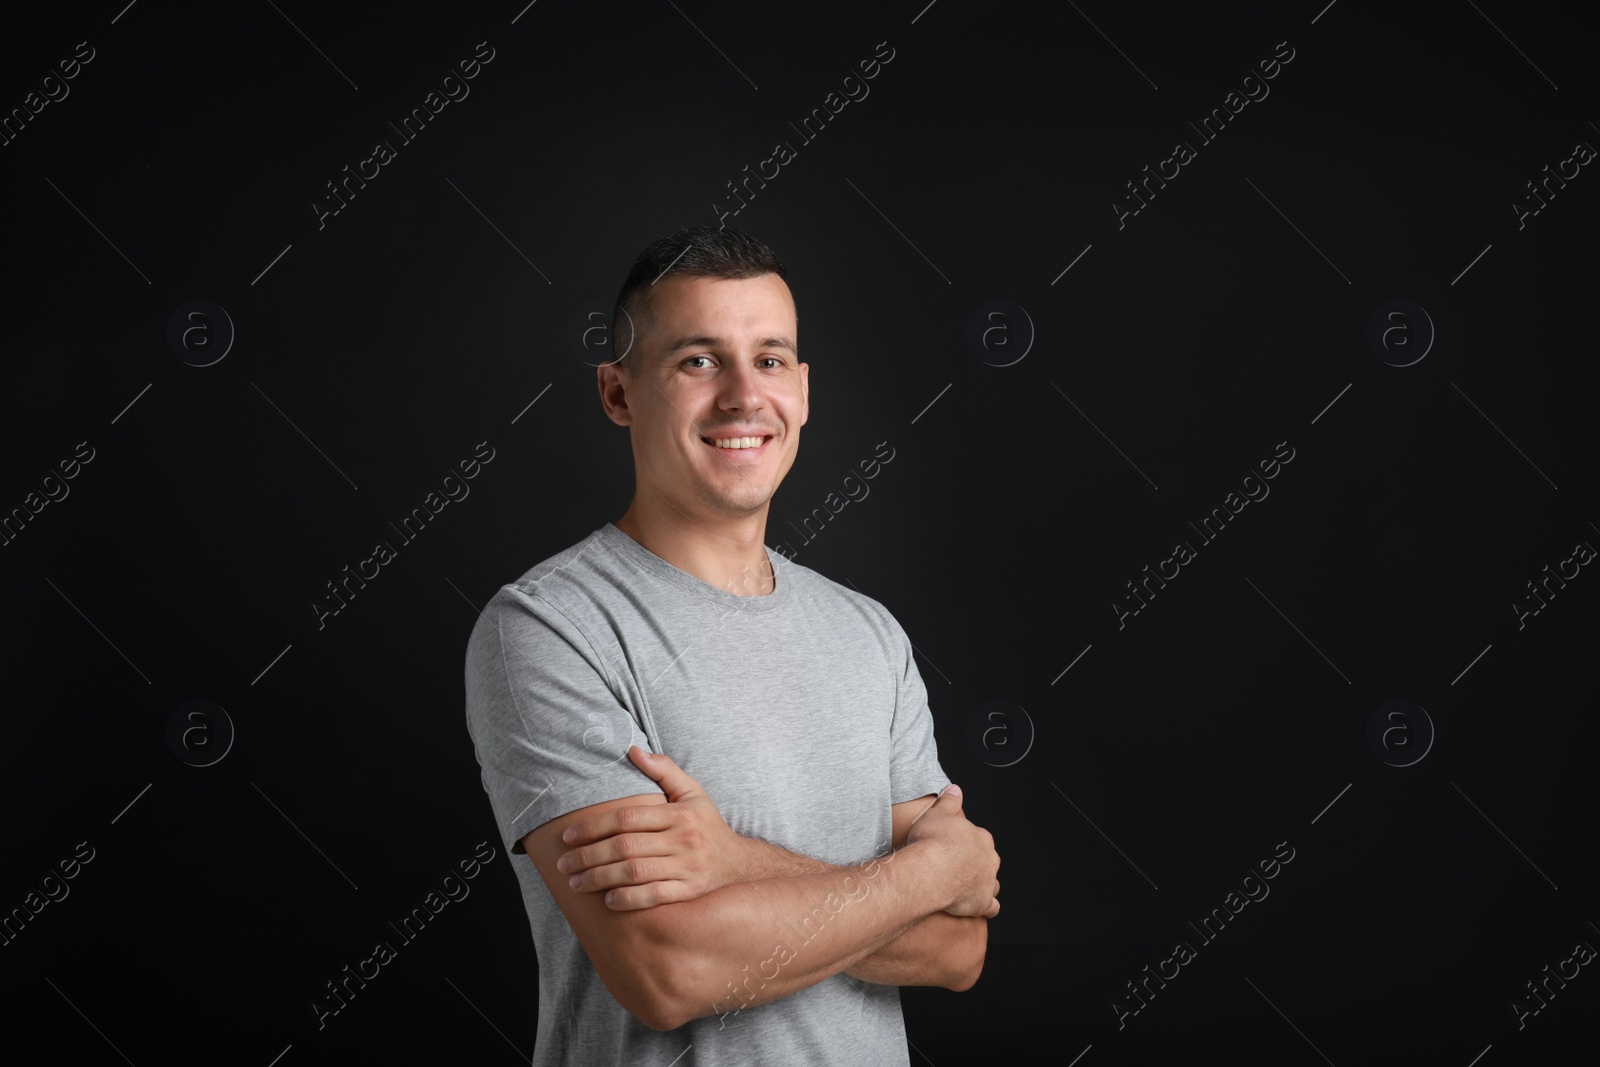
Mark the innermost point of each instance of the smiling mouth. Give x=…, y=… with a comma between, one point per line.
x=734, y=446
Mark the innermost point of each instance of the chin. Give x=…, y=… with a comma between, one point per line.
x=741, y=505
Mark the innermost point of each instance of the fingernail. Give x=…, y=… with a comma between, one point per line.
x=611, y=900
x=570, y=834
x=953, y=789
x=575, y=881
x=564, y=864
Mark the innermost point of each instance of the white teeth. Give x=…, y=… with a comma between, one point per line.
x=738, y=442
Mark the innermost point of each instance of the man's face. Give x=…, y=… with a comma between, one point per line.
x=718, y=362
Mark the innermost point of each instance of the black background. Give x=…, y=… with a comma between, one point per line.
x=374, y=353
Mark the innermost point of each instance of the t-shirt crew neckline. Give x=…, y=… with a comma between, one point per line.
x=667, y=572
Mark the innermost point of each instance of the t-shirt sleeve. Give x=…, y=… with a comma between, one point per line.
x=914, y=769
x=548, y=726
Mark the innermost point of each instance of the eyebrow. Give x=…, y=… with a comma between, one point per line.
x=702, y=341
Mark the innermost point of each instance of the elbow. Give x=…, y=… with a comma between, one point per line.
x=657, y=1008
x=665, y=1009
x=971, y=961
x=660, y=985
x=968, y=978
x=660, y=1016
x=683, y=1002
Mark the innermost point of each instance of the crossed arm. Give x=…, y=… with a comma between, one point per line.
x=938, y=950
x=751, y=922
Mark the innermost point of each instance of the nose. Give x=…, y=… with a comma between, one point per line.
x=739, y=387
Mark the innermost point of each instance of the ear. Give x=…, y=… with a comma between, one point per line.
x=613, y=381
x=805, y=392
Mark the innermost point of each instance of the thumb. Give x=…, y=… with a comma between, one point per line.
x=661, y=769
x=950, y=797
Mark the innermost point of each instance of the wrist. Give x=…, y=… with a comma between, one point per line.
x=745, y=856
x=922, y=864
x=758, y=860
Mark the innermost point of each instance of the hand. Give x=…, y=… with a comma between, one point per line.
x=971, y=861
x=653, y=854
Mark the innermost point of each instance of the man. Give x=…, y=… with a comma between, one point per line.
x=755, y=891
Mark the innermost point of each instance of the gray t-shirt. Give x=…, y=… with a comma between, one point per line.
x=800, y=712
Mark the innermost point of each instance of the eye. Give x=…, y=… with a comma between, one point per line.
x=775, y=360
x=691, y=359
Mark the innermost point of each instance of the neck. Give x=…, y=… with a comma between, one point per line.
x=728, y=553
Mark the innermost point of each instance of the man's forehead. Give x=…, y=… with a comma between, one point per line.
x=701, y=340
x=707, y=312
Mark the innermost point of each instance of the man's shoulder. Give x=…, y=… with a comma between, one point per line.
x=555, y=587
x=572, y=568
x=841, y=597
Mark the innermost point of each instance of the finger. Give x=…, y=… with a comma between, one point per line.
x=641, y=818
x=632, y=872
x=993, y=911
x=615, y=850
x=949, y=790
x=662, y=770
x=638, y=898
x=925, y=809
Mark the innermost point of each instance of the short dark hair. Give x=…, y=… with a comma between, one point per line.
x=703, y=251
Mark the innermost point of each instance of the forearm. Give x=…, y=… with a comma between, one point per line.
x=938, y=950
x=756, y=941
x=758, y=859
